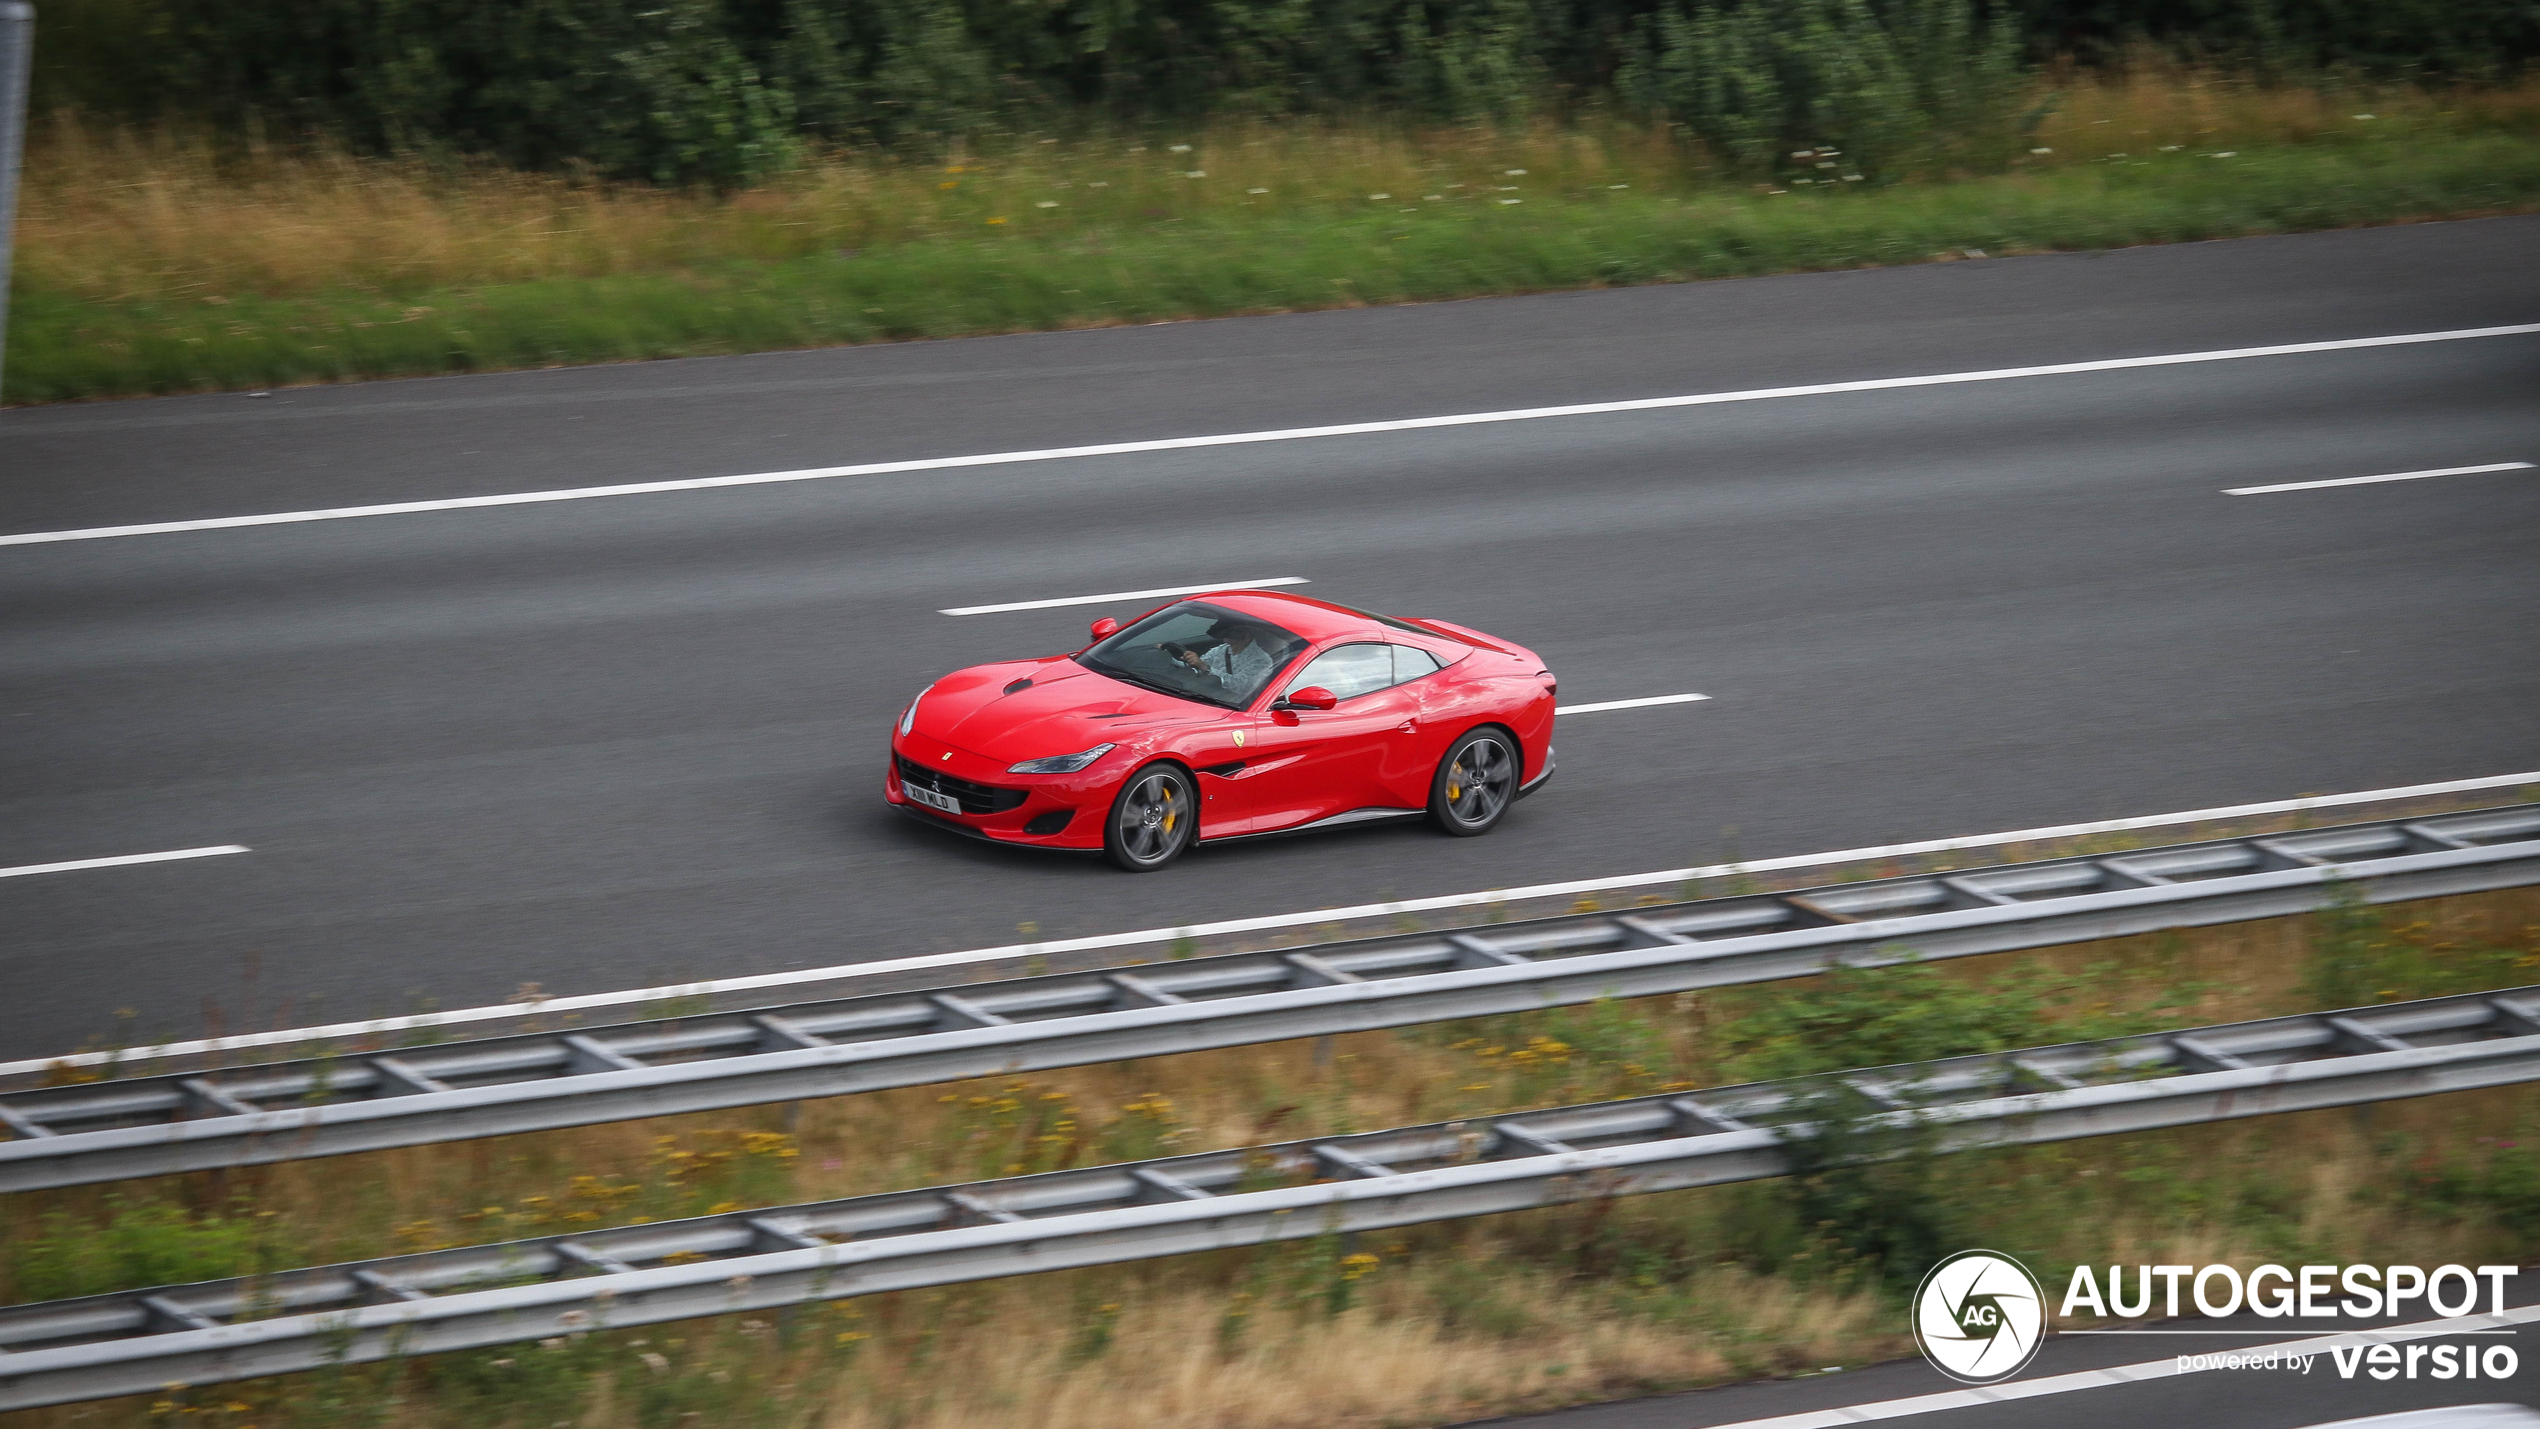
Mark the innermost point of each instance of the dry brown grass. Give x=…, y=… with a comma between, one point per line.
x=123, y=217
x=1389, y=1361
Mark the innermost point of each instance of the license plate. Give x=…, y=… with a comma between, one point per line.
x=930, y=798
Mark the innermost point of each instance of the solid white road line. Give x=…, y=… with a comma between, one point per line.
x=1120, y=595
x=120, y=860
x=1291, y=434
x=2374, y=480
x=1627, y=704
x=2015, y=1390
x=1146, y=936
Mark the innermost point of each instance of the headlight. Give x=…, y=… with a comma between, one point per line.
x=1060, y=763
x=908, y=717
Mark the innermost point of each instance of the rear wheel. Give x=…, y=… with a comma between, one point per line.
x=1475, y=783
x=1152, y=821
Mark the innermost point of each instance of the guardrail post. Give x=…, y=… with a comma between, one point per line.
x=17, y=69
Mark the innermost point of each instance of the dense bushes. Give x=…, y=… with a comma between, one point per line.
x=1882, y=88
x=721, y=90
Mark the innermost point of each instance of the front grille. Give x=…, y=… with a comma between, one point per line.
x=974, y=798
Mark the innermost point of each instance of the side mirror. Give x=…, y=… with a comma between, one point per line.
x=1312, y=697
x=1105, y=628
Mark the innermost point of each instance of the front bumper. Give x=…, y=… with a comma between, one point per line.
x=1084, y=798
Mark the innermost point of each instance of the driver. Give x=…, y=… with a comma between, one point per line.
x=1238, y=660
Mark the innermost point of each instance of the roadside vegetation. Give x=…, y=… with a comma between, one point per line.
x=166, y=259
x=1434, y=1323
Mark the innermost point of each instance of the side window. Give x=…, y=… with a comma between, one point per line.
x=1410, y=663
x=1348, y=670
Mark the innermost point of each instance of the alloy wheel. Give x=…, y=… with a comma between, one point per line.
x=1153, y=818
x=1480, y=780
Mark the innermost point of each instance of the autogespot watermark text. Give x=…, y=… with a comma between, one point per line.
x=2376, y=1361
x=2248, y=1359
x=2310, y=1292
x=2364, y=1291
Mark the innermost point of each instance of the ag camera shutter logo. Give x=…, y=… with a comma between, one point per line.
x=1979, y=1316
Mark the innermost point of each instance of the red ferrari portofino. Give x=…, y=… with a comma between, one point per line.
x=1226, y=716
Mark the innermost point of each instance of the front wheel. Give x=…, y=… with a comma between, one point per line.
x=1152, y=821
x=1475, y=783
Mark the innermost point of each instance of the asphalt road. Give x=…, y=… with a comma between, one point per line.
x=617, y=742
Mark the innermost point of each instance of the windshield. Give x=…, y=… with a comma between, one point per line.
x=1199, y=652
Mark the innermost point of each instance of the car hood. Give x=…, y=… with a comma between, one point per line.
x=1065, y=708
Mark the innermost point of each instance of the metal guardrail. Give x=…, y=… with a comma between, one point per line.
x=359, y=1102
x=754, y=1260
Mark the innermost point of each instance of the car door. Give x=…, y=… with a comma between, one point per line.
x=1306, y=765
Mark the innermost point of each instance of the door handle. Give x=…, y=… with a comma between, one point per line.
x=1407, y=727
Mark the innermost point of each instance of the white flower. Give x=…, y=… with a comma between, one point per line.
x=2228, y=154
x=2367, y=116
x=1256, y=191
x=1513, y=173
x=1618, y=186
x=1099, y=184
x=1512, y=200
x=1196, y=174
x=1430, y=198
x=1046, y=203
x=1852, y=178
x=1803, y=153
x=1179, y=149
x=2041, y=151
x=654, y=1362
x=1378, y=198
x=2172, y=148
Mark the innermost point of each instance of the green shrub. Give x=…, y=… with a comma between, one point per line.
x=141, y=1242
x=1836, y=90
x=719, y=91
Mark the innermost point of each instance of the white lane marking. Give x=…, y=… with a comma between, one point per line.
x=2375, y=480
x=392, y=1026
x=122, y=860
x=1123, y=595
x=1289, y=434
x=2116, y=1375
x=1627, y=704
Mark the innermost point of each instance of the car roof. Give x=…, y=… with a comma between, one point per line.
x=1316, y=620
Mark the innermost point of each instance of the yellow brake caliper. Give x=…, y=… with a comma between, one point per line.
x=1455, y=781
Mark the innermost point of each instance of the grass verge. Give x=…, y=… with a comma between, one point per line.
x=1435, y=1323
x=163, y=266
